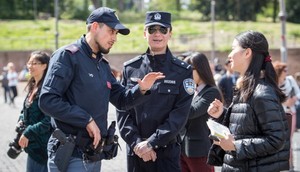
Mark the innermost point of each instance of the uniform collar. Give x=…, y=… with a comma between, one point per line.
x=161, y=58
x=88, y=49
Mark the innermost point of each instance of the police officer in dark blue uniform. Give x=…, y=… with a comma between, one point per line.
x=151, y=129
x=79, y=86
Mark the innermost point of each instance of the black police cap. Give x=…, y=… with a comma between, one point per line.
x=107, y=16
x=158, y=18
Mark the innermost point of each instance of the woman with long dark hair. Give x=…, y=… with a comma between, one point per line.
x=259, y=139
x=196, y=143
x=38, y=129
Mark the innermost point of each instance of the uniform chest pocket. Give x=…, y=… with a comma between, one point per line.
x=168, y=89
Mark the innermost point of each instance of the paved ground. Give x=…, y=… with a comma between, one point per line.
x=9, y=116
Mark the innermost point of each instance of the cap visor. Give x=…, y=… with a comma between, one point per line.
x=118, y=26
x=156, y=23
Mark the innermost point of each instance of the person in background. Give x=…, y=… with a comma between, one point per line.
x=151, y=130
x=184, y=55
x=290, y=88
x=297, y=78
x=217, y=75
x=12, y=77
x=78, y=88
x=196, y=143
x=38, y=127
x=24, y=74
x=4, y=82
x=117, y=73
x=259, y=138
x=226, y=83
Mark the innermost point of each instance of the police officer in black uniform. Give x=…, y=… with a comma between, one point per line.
x=79, y=86
x=151, y=129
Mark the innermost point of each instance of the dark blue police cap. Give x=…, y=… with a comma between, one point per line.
x=107, y=16
x=158, y=18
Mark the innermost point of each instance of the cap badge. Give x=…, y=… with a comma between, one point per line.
x=157, y=16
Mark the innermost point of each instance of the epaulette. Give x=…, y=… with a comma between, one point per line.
x=181, y=63
x=72, y=48
x=132, y=60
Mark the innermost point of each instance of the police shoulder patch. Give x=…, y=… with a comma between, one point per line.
x=72, y=48
x=189, y=86
x=132, y=60
x=180, y=63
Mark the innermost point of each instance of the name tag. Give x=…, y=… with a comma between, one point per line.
x=170, y=82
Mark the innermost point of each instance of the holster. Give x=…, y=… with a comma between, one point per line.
x=64, y=150
x=103, y=151
x=107, y=148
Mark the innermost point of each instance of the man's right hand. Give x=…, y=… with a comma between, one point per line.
x=94, y=132
x=151, y=155
x=143, y=151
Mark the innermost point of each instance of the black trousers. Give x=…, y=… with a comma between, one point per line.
x=14, y=91
x=168, y=160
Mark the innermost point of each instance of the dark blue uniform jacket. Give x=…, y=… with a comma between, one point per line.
x=78, y=87
x=160, y=119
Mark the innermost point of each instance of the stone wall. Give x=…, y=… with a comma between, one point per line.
x=117, y=60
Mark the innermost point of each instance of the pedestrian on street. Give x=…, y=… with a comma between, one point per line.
x=37, y=124
x=259, y=138
x=12, y=77
x=77, y=90
x=195, y=134
x=151, y=130
x=4, y=83
x=290, y=88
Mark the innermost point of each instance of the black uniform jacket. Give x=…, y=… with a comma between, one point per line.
x=261, y=134
x=160, y=119
x=196, y=142
x=78, y=87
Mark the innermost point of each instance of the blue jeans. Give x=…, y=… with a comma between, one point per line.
x=33, y=166
x=76, y=165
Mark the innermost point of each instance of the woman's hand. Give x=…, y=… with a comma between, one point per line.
x=23, y=141
x=226, y=143
x=215, y=109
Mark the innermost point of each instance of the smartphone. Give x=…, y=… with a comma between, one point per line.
x=212, y=137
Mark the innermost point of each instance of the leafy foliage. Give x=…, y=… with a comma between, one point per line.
x=187, y=34
x=225, y=10
x=293, y=11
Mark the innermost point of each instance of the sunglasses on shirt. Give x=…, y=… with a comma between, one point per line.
x=161, y=29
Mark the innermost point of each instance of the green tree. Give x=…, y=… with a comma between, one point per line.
x=169, y=5
x=231, y=9
x=15, y=9
x=293, y=10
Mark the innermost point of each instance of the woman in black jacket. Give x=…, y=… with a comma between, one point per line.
x=259, y=139
x=196, y=143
